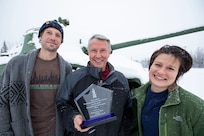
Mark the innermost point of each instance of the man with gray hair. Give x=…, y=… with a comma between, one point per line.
x=99, y=72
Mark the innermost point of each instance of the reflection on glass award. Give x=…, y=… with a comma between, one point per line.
x=94, y=104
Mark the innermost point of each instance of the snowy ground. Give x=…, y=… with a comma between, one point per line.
x=192, y=81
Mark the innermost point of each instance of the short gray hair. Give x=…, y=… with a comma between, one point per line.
x=100, y=37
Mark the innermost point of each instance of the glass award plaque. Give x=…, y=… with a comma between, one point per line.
x=94, y=104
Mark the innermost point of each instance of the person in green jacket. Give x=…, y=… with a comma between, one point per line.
x=163, y=108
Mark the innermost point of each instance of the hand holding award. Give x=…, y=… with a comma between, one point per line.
x=94, y=104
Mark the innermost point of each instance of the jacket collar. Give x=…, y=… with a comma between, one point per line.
x=97, y=72
x=172, y=99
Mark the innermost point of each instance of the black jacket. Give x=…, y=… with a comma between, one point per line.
x=78, y=81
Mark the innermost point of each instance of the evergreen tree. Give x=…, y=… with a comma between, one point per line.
x=4, y=48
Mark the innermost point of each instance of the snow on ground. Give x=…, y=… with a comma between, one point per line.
x=193, y=82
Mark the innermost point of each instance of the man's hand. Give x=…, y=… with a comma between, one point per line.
x=77, y=122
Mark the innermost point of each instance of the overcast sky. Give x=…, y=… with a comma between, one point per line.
x=119, y=20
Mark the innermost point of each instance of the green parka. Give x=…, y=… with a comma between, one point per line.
x=181, y=115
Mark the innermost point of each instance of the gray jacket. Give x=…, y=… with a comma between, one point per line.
x=15, y=95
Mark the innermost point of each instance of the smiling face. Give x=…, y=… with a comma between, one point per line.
x=51, y=39
x=99, y=52
x=163, y=72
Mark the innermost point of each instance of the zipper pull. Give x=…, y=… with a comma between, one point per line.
x=100, y=82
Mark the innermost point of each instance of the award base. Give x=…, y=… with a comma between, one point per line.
x=99, y=120
x=94, y=104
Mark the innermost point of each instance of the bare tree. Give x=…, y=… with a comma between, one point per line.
x=198, y=58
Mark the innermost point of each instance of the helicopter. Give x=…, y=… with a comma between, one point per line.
x=78, y=56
